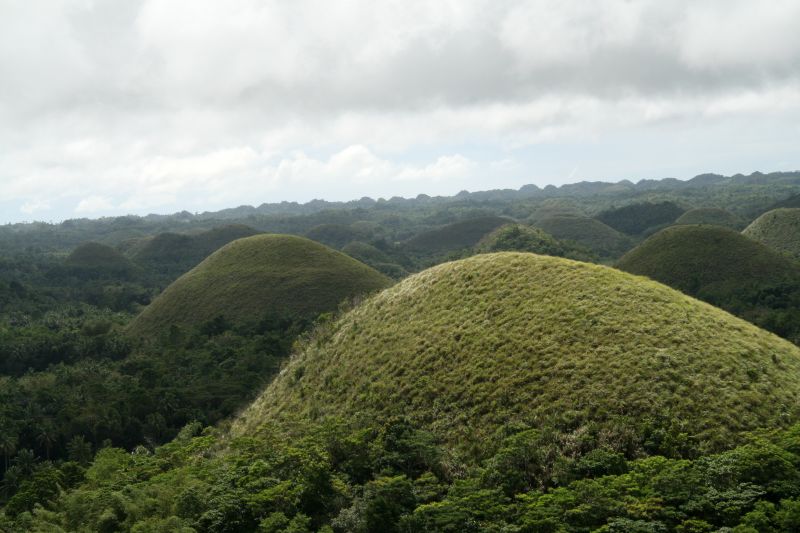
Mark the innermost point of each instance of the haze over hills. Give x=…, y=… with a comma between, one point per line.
x=263, y=275
x=468, y=346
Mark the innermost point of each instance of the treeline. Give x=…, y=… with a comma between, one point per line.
x=392, y=477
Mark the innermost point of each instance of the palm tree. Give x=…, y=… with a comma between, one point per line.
x=8, y=445
x=46, y=437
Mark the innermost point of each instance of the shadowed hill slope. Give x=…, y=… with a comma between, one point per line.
x=467, y=347
x=726, y=269
x=456, y=236
x=591, y=233
x=712, y=216
x=185, y=249
x=280, y=275
x=638, y=219
x=98, y=260
x=779, y=229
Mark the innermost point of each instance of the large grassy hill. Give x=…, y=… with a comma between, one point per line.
x=590, y=352
x=724, y=268
x=589, y=232
x=779, y=229
x=456, y=236
x=711, y=215
x=277, y=275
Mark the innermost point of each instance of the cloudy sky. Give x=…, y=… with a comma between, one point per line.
x=111, y=107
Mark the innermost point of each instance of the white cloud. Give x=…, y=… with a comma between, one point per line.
x=93, y=205
x=34, y=206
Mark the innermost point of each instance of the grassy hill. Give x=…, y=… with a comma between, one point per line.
x=643, y=218
x=456, y=236
x=589, y=232
x=521, y=238
x=587, y=352
x=265, y=274
x=98, y=260
x=726, y=269
x=711, y=215
x=779, y=229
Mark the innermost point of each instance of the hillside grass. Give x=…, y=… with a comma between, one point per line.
x=588, y=232
x=713, y=216
x=642, y=218
x=190, y=248
x=92, y=258
x=779, y=229
x=466, y=348
x=279, y=275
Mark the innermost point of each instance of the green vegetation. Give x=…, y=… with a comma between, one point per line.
x=585, y=351
x=712, y=216
x=281, y=275
x=454, y=237
x=336, y=235
x=395, y=478
x=779, y=229
x=601, y=239
x=520, y=238
x=641, y=219
x=726, y=269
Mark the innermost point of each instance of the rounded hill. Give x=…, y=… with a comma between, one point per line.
x=588, y=232
x=521, y=238
x=724, y=268
x=95, y=259
x=712, y=216
x=166, y=248
x=468, y=347
x=779, y=229
x=248, y=278
x=455, y=236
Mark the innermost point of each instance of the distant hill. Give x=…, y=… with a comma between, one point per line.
x=779, y=229
x=456, y=236
x=335, y=235
x=575, y=350
x=643, y=218
x=589, y=232
x=711, y=215
x=725, y=268
x=521, y=238
x=279, y=275
x=92, y=259
x=374, y=257
x=171, y=254
x=790, y=202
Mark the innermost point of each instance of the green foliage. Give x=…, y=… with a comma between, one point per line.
x=779, y=229
x=466, y=347
x=453, y=237
x=726, y=269
x=276, y=274
x=95, y=260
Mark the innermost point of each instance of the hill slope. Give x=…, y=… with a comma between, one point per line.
x=467, y=347
x=637, y=219
x=588, y=232
x=264, y=274
x=779, y=229
x=186, y=249
x=726, y=269
x=712, y=216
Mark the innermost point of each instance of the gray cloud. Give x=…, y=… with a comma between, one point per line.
x=149, y=105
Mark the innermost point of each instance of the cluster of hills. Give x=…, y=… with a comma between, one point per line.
x=610, y=357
